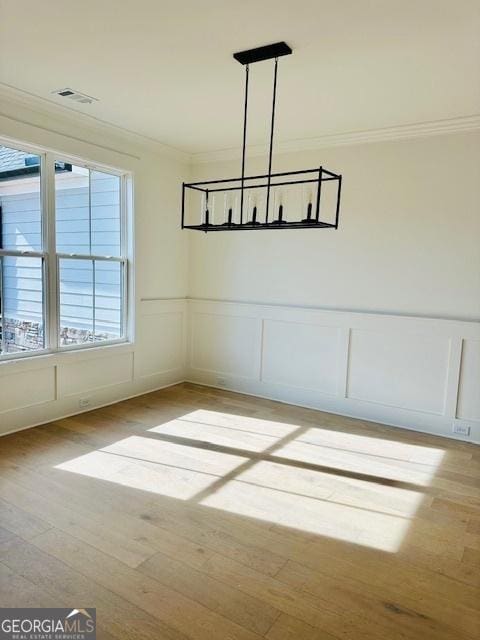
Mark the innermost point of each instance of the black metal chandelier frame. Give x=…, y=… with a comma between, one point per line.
x=316, y=176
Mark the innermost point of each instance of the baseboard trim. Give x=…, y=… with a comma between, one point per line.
x=368, y=416
x=92, y=408
x=266, y=396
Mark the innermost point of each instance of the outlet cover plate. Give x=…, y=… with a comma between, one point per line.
x=461, y=428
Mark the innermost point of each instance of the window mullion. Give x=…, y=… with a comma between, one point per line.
x=14, y=253
x=93, y=298
x=90, y=211
x=125, y=237
x=2, y=341
x=90, y=256
x=50, y=249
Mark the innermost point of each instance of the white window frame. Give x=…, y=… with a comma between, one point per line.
x=51, y=259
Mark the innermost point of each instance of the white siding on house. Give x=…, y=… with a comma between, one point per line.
x=22, y=303
x=105, y=211
x=22, y=288
x=90, y=296
x=21, y=221
x=88, y=222
x=21, y=277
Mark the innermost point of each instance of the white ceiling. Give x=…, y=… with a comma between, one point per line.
x=164, y=69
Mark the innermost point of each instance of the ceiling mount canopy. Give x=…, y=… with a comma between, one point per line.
x=306, y=198
x=268, y=52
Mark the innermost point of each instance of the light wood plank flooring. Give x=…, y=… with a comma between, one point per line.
x=192, y=513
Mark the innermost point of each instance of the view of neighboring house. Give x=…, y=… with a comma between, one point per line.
x=87, y=224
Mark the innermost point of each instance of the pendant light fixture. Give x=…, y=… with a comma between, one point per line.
x=286, y=200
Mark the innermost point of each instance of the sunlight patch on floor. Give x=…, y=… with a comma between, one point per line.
x=326, y=517
x=155, y=466
x=354, y=488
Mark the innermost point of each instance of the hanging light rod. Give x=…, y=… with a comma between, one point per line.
x=261, y=203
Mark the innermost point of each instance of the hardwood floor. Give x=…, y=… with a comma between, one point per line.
x=192, y=513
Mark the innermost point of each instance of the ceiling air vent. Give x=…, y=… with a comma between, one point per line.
x=71, y=94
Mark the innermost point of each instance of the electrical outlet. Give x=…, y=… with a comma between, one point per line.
x=221, y=382
x=461, y=428
x=84, y=402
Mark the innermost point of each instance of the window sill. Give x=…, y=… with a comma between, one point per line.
x=53, y=358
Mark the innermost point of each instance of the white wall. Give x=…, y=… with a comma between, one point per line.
x=408, y=240
x=379, y=320
x=46, y=387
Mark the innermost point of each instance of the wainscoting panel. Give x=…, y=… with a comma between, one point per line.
x=155, y=356
x=26, y=388
x=92, y=374
x=311, y=350
x=399, y=370
x=224, y=344
x=161, y=338
x=468, y=407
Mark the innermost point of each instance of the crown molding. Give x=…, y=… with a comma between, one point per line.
x=12, y=97
x=385, y=134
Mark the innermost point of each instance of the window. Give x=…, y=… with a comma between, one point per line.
x=63, y=259
x=89, y=245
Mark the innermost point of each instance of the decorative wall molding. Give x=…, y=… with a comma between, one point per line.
x=45, y=388
x=361, y=312
x=385, y=134
x=400, y=370
x=407, y=371
x=161, y=345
